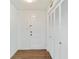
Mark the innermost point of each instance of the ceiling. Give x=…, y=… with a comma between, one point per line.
x=38, y=5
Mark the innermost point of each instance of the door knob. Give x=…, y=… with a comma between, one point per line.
x=60, y=43
x=30, y=31
x=30, y=34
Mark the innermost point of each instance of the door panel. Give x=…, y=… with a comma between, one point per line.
x=51, y=29
x=58, y=31
x=64, y=30
x=57, y=34
x=35, y=30
x=36, y=33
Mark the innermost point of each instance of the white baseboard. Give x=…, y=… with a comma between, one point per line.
x=50, y=54
x=13, y=53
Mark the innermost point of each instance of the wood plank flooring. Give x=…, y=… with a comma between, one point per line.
x=32, y=54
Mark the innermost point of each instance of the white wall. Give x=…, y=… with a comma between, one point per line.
x=13, y=30
x=38, y=40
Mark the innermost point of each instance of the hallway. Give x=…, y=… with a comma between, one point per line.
x=32, y=54
x=37, y=25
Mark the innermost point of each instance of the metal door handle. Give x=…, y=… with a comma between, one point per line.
x=60, y=42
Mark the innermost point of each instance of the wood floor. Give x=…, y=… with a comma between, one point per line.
x=32, y=54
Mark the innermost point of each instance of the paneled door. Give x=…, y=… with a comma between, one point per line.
x=58, y=30
x=36, y=33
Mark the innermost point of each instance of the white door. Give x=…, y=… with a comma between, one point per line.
x=58, y=30
x=61, y=30
x=36, y=35
x=35, y=32
x=64, y=30
x=51, y=34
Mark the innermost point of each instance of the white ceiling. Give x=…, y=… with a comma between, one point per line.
x=38, y=5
